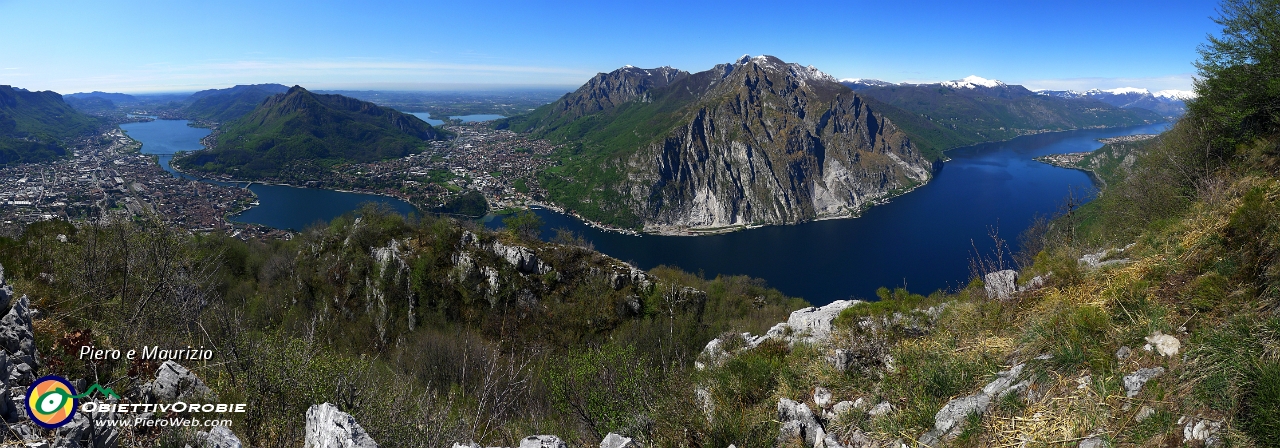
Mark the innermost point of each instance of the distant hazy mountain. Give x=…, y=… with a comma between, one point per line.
x=115, y=98
x=90, y=105
x=36, y=126
x=1170, y=103
x=300, y=125
x=755, y=141
x=226, y=105
x=972, y=110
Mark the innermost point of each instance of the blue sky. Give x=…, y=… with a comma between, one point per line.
x=146, y=46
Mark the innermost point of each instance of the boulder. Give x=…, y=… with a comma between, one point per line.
x=327, y=427
x=798, y=422
x=1163, y=344
x=884, y=408
x=1133, y=382
x=542, y=442
x=219, y=437
x=1001, y=285
x=813, y=324
x=173, y=382
x=613, y=440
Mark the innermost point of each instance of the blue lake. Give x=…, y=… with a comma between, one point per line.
x=923, y=240
x=280, y=206
x=426, y=116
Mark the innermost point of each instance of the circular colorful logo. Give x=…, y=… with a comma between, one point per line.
x=51, y=401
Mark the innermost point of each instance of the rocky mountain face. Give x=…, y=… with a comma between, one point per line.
x=756, y=141
x=608, y=90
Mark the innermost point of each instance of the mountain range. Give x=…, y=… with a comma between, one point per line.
x=755, y=141
x=1170, y=103
x=301, y=126
x=972, y=110
x=36, y=126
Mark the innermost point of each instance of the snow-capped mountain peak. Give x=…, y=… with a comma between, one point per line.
x=1128, y=90
x=971, y=82
x=1180, y=95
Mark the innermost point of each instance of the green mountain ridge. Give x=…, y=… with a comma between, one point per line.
x=36, y=126
x=226, y=105
x=302, y=126
x=942, y=117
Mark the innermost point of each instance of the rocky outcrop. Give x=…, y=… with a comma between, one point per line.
x=947, y=421
x=798, y=422
x=544, y=441
x=812, y=324
x=173, y=382
x=327, y=427
x=1106, y=257
x=522, y=258
x=613, y=440
x=20, y=360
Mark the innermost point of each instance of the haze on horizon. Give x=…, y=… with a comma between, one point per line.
x=151, y=46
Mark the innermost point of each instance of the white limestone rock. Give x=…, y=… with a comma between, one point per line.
x=173, y=382
x=327, y=427
x=1163, y=344
x=1001, y=285
x=813, y=324
x=1133, y=382
x=821, y=397
x=613, y=440
x=543, y=441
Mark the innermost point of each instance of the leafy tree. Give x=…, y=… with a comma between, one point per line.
x=524, y=224
x=1239, y=82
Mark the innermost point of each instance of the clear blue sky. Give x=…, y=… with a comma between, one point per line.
x=150, y=46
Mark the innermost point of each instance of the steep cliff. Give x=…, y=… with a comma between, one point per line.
x=757, y=141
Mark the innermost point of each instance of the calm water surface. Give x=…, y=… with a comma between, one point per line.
x=426, y=116
x=280, y=206
x=922, y=240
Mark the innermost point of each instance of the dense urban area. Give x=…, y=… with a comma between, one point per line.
x=108, y=174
